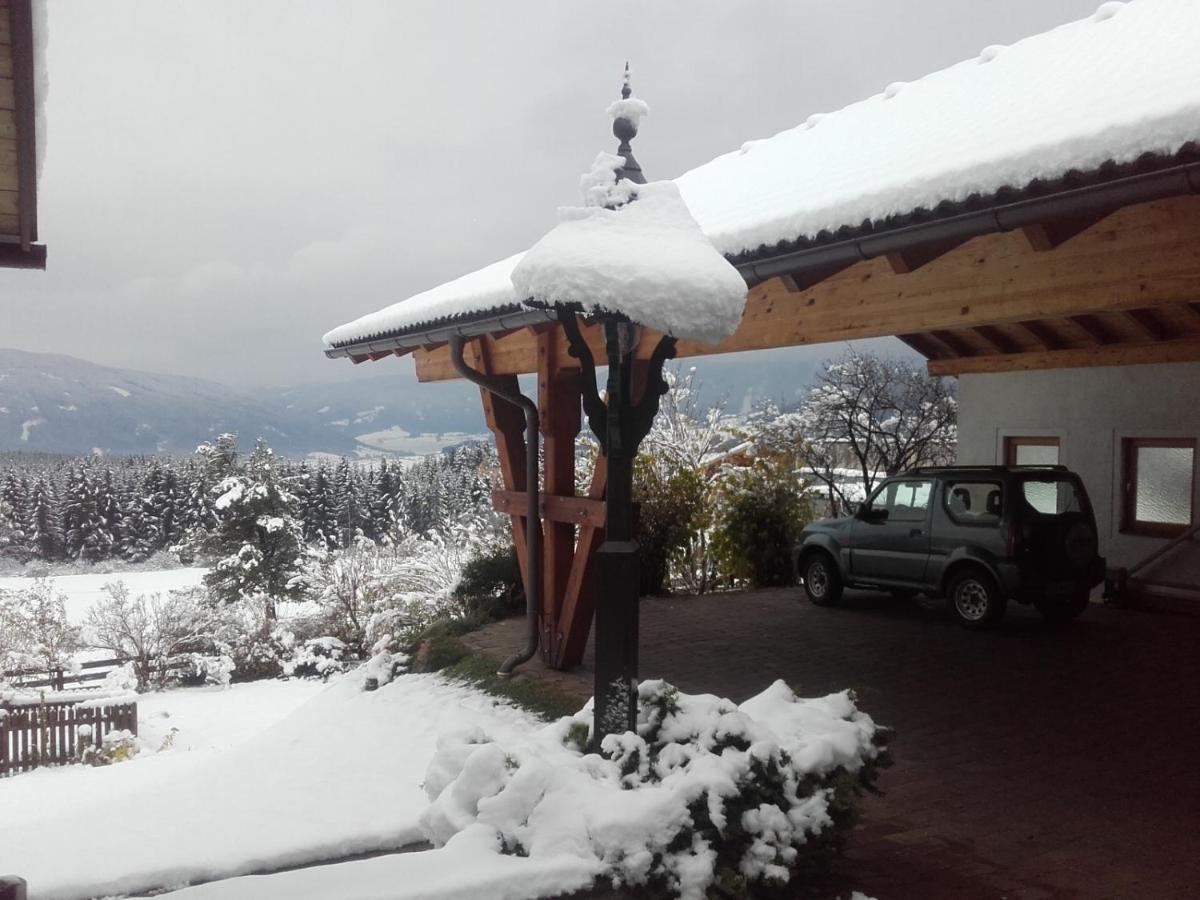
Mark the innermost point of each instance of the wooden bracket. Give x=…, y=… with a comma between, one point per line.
x=1046, y=236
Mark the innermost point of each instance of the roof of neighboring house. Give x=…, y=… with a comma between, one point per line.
x=1107, y=98
x=22, y=129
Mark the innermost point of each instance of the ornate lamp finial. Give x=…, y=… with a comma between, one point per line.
x=625, y=128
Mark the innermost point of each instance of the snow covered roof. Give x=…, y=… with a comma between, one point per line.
x=1110, y=89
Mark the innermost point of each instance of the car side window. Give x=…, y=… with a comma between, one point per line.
x=974, y=502
x=903, y=501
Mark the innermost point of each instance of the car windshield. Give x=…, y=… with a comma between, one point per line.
x=1053, y=495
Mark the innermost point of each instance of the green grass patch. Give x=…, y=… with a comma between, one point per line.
x=544, y=698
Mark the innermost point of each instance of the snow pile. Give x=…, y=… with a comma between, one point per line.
x=647, y=259
x=705, y=790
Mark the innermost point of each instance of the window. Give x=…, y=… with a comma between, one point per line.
x=1159, y=484
x=1031, y=451
x=903, y=501
x=974, y=502
x=1052, y=496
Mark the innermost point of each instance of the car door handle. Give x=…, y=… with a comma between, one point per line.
x=915, y=532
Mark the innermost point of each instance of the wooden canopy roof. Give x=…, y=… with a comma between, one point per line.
x=18, y=139
x=1056, y=227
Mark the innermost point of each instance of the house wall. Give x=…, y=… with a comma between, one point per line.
x=1090, y=411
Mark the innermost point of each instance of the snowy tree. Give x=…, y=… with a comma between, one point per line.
x=869, y=417
x=257, y=547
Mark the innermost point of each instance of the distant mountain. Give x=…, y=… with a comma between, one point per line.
x=388, y=414
x=60, y=404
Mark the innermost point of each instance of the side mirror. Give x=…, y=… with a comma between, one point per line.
x=862, y=511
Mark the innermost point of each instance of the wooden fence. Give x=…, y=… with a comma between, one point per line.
x=58, y=679
x=47, y=734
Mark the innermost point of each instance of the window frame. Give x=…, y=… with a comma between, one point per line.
x=1012, y=442
x=946, y=491
x=1130, y=524
x=897, y=480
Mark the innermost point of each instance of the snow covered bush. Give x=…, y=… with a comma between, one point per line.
x=201, y=668
x=34, y=630
x=706, y=793
x=316, y=658
x=150, y=630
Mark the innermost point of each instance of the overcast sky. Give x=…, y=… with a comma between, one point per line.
x=228, y=179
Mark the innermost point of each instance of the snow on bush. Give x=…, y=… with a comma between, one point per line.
x=706, y=792
x=34, y=630
x=316, y=658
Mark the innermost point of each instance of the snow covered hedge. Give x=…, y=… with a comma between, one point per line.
x=706, y=794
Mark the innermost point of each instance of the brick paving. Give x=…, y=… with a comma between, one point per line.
x=1031, y=762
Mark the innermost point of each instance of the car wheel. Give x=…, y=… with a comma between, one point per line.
x=974, y=599
x=822, y=580
x=1064, y=608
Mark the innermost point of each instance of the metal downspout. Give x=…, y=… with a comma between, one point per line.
x=533, y=524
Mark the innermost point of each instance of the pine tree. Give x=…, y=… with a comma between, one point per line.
x=45, y=536
x=257, y=548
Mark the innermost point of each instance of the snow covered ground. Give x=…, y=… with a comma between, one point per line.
x=84, y=590
x=259, y=776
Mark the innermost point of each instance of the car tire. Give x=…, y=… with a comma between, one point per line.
x=1064, y=609
x=973, y=599
x=822, y=580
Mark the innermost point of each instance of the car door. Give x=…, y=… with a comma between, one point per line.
x=890, y=538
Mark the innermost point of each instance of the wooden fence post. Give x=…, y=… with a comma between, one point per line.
x=12, y=887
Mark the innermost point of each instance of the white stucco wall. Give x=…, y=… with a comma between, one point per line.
x=1090, y=411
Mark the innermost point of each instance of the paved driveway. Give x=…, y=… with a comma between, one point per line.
x=1031, y=762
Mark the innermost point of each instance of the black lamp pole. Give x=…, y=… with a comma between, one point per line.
x=619, y=426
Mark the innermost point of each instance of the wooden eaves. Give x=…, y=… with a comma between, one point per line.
x=1102, y=269
x=18, y=140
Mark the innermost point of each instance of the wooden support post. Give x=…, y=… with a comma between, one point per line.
x=559, y=410
x=507, y=424
x=579, y=599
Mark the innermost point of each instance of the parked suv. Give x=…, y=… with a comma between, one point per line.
x=977, y=536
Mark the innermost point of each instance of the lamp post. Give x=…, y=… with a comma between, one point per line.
x=619, y=424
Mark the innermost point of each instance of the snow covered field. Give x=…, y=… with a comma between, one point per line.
x=259, y=776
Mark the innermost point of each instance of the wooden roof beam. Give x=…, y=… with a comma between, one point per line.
x=905, y=262
x=1095, y=329
x=1148, y=323
x=996, y=339
x=924, y=345
x=1131, y=354
x=1041, y=332
x=1046, y=236
x=796, y=282
x=956, y=345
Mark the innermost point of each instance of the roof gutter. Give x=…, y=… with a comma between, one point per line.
x=407, y=340
x=1091, y=199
